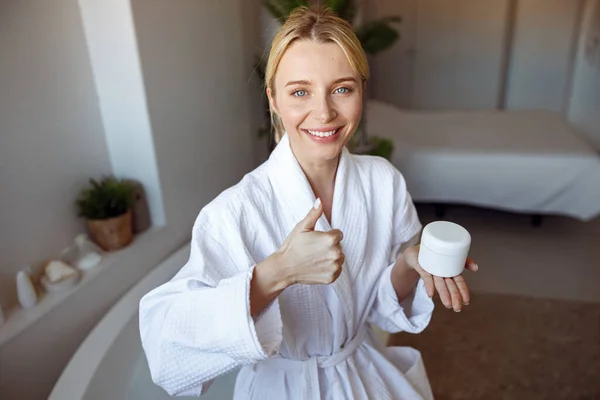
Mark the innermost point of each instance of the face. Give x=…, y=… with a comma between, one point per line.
x=318, y=98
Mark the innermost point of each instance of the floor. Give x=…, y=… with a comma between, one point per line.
x=512, y=347
x=560, y=259
x=532, y=330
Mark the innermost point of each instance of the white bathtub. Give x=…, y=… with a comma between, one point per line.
x=110, y=363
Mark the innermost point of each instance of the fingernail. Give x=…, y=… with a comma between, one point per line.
x=466, y=304
x=476, y=267
x=459, y=310
x=448, y=307
x=317, y=203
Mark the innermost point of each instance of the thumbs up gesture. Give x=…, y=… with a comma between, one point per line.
x=312, y=257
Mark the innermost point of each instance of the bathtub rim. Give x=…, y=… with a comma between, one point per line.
x=75, y=378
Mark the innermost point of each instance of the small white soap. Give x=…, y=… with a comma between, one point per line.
x=57, y=270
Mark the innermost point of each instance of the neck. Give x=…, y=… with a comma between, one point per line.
x=320, y=175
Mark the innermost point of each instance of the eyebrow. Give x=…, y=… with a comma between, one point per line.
x=345, y=79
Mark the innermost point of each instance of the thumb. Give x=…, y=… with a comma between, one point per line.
x=309, y=222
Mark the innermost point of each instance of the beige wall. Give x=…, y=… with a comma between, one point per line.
x=542, y=56
x=197, y=72
x=449, y=56
x=51, y=136
x=452, y=55
x=584, y=105
x=196, y=61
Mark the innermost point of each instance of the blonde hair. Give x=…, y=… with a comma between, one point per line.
x=321, y=25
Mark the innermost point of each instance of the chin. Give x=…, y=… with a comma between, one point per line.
x=329, y=154
x=326, y=151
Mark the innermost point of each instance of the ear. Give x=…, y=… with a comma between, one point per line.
x=272, y=101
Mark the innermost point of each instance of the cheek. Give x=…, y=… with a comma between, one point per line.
x=353, y=110
x=293, y=112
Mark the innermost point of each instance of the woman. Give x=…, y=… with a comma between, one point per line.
x=290, y=267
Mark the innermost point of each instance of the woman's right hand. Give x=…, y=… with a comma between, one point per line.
x=305, y=256
x=311, y=257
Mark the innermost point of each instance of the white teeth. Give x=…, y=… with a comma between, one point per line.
x=322, y=134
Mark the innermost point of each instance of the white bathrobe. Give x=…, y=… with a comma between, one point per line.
x=313, y=341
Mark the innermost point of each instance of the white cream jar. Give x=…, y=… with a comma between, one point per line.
x=444, y=248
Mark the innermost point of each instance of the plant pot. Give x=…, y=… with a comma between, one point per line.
x=112, y=233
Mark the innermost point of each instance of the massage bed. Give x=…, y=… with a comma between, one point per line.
x=519, y=161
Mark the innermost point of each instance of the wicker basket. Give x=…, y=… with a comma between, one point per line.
x=113, y=233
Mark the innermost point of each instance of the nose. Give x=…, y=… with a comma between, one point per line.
x=324, y=112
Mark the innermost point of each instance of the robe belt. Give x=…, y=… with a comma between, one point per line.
x=310, y=367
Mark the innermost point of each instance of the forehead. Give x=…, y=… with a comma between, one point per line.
x=313, y=61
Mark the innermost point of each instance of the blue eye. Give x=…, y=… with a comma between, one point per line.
x=299, y=93
x=342, y=90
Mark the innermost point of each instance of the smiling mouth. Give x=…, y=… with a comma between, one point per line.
x=322, y=134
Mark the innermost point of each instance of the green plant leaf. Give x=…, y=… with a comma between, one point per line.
x=274, y=10
x=281, y=9
x=346, y=9
x=393, y=18
x=383, y=147
x=377, y=36
x=107, y=198
x=262, y=132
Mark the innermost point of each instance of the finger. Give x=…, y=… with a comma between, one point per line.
x=337, y=274
x=471, y=265
x=336, y=254
x=428, y=279
x=337, y=236
x=461, y=284
x=309, y=222
x=440, y=285
x=454, y=294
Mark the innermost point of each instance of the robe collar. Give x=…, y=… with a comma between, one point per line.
x=349, y=213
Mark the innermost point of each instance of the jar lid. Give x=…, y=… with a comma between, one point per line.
x=445, y=237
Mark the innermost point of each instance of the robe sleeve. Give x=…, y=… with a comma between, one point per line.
x=198, y=326
x=414, y=312
x=410, y=315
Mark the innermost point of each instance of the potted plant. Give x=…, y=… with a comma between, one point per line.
x=106, y=206
x=375, y=37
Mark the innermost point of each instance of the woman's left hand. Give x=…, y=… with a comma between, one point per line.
x=454, y=292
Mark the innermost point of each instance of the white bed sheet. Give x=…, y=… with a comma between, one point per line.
x=520, y=161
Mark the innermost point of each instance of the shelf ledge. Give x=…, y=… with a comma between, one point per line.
x=18, y=319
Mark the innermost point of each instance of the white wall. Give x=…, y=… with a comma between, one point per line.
x=584, y=107
x=51, y=137
x=112, y=45
x=542, y=54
